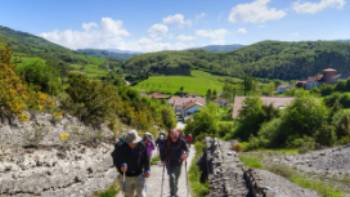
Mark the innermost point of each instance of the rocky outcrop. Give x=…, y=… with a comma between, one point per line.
x=229, y=178
x=54, y=156
x=334, y=162
x=45, y=129
x=79, y=170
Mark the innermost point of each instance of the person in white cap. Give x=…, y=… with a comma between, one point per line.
x=133, y=163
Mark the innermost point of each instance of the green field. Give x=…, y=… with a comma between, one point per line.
x=198, y=83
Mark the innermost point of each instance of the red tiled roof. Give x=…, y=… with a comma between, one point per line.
x=277, y=102
x=178, y=101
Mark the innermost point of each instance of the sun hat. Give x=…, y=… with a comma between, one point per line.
x=132, y=137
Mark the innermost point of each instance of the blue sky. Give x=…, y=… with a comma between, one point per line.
x=153, y=25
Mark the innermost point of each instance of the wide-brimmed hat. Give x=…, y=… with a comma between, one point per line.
x=148, y=135
x=132, y=137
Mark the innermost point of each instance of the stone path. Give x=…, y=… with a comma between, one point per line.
x=153, y=188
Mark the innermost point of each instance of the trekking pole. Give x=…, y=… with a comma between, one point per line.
x=124, y=183
x=187, y=185
x=162, y=186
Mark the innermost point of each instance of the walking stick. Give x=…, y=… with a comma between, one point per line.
x=187, y=186
x=162, y=186
x=124, y=182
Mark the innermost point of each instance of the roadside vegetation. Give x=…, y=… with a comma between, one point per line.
x=112, y=191
x=199, y=189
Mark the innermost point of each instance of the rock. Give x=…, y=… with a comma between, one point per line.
x=43, y=173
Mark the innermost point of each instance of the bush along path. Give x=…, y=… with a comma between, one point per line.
x=229, y=178
x=153, y=184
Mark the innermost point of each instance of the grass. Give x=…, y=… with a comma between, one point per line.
x=302, y=180
x=251, y=162
x=198, y=83
x=198, y=189
x=112, y=191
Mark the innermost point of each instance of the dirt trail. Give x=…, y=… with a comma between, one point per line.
x=153, y=188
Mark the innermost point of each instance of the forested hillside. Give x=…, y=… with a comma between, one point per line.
x=268, y=59
x=26, y=46
x=112, y=54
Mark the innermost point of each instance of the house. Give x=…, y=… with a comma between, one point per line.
x=328, y=75
x=158, y=96
x=276, y=102
x=283, y=88
x=186, y=106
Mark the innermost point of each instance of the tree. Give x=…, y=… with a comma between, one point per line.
x=250, y=118
x=204, y=122
x=303, y=118
x=342, y=122
x=36, y=72
x=229, y=91
x=92, y=101
x=248, y=85
x=168, y=118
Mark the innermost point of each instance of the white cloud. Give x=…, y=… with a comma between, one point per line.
x=89, y=26
x=215, y=35
x=315, y=7
x=158, y=30
x=255, y=12
x=242, y=30
x=184, y=38
x=176, y=19
x=200, y=16
x=108, y=34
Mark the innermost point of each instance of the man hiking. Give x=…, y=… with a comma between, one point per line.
x=133, y=164
x=172, y=156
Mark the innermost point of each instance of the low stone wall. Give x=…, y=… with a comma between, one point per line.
x=227, y=177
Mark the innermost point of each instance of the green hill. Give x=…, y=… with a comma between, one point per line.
x=196, y=83
x=268, y=59
x=26, y=46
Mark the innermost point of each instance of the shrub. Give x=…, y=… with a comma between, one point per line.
x=204, y=123
x=91, y=101
x=304, y=117
x=250, y=119
x=326, y=135
x=304, y=144
x=36, y=72
x=341, y=120
x=269, y=134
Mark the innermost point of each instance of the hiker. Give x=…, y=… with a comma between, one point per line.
x=160, y=142
x=172, y=156
x=189, y=139
x=148, y=141
x=133, y=164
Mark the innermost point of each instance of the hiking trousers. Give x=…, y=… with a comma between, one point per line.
x=174, y=174
x=133, y=186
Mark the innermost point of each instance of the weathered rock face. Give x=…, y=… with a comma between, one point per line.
x=334, y=162
x=44, y=129
x=56, y=171
x=37, y=160
x=229, y=178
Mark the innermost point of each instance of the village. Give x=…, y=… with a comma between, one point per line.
x=186, y=105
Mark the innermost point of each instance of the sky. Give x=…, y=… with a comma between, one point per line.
x=155, y=25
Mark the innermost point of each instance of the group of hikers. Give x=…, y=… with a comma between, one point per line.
x=132, y=157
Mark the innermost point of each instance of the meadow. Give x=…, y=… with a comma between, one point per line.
x=198, y=83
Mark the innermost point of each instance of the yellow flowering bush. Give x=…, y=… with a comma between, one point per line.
x=64, y=136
